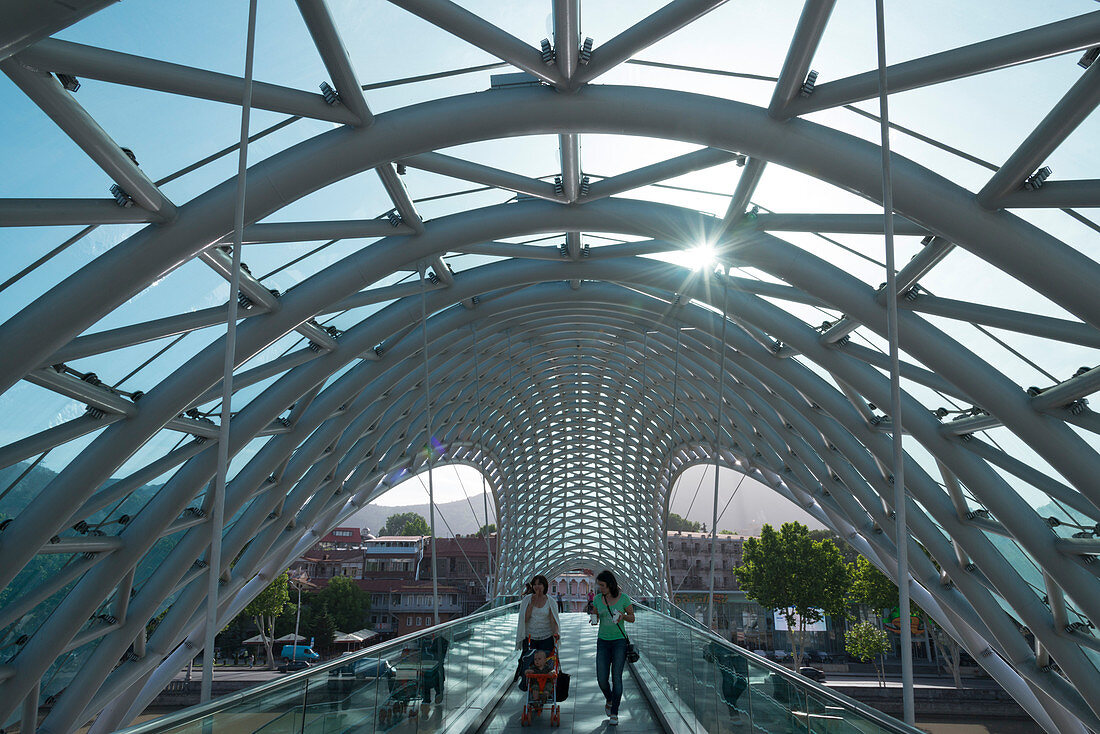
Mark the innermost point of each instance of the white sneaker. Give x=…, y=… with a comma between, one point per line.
x=614, y=721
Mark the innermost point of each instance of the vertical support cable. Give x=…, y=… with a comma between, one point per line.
x=902, y=531
x=623, y=405
x=718, y=442
x=217, y=514
x=428, y=432
x=662, y=557
x=511, y=515
x=672, y=445
x=484, y=488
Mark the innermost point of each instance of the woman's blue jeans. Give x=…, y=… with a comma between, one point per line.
x=611, y=659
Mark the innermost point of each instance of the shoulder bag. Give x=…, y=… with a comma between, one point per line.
x=632, y=655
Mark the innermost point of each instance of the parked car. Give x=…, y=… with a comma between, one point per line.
x=812, y=673
x=289, y=666
x=358, y=673
x=761, y=653
x=816, y=656
x=781, y=655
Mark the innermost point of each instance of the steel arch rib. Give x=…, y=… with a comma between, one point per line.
x=920, y=195
x=592, y=114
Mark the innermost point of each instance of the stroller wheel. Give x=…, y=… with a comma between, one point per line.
x=525, y=719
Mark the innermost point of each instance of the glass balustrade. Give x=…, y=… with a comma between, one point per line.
x=435, y=679
x=711, y=685
x=445, y=677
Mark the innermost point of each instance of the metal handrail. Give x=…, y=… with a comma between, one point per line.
x=222, y=703
x=886, y=722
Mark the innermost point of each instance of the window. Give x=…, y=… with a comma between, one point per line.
x=419, y=621
x=409, y=622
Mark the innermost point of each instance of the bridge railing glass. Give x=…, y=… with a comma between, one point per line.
x=716, y=686
x=429, y=680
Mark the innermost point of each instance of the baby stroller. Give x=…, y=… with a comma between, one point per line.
x=542, y=692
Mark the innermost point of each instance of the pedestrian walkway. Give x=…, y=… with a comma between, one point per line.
x=583, y=712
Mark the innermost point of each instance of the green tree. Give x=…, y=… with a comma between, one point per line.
x=263, y=610
x=323, y=628
x=878, y=591
x=486, y=530
x=801, y=578
x=405, y=523
x=865, y=641
x=677, y=524
x=872, y=588
x=846, y=550
x=346, y=602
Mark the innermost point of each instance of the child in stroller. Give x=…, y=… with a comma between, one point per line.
x=542, y=680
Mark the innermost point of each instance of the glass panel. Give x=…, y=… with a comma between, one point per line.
x=428, y=681
x=715, y=686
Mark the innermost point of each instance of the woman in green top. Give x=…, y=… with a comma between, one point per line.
x=613, y=608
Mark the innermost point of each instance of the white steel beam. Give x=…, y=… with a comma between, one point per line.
x=58, y=104
x=834, y=223
x=671, y=168
x=1055, y=194
x=807, y=36
x=1064, y=36
x=643, y=34
x=742, y=195
x=335, y=56
x=1071, y=111
x=486, y=36
x=58, y=212
x=115, y=67
x=400, y=197
x=277, y=232
x=457, y=168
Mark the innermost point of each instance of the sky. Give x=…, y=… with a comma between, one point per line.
x=987, y=116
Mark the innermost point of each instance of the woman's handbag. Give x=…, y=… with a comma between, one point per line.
x=561, y=692
x=631, y=652
x=632, y=655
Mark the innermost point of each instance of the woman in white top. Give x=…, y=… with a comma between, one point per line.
x=538, y=618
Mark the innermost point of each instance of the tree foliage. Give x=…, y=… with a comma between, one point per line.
x=801, y=578
x=263, y=610
x=677, y=524
x=845, y=549
x=865, y=641
x=872, y=587
x=324, y=628
x=347, y=604
x=486, y=530
x=405, y=523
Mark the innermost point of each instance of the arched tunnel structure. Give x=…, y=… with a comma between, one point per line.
x=573, y=360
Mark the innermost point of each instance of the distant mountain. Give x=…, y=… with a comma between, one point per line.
x=744, y=506
x=29, y=486
x=455, y=514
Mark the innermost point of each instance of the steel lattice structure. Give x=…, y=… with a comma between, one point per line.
x=579, y=374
